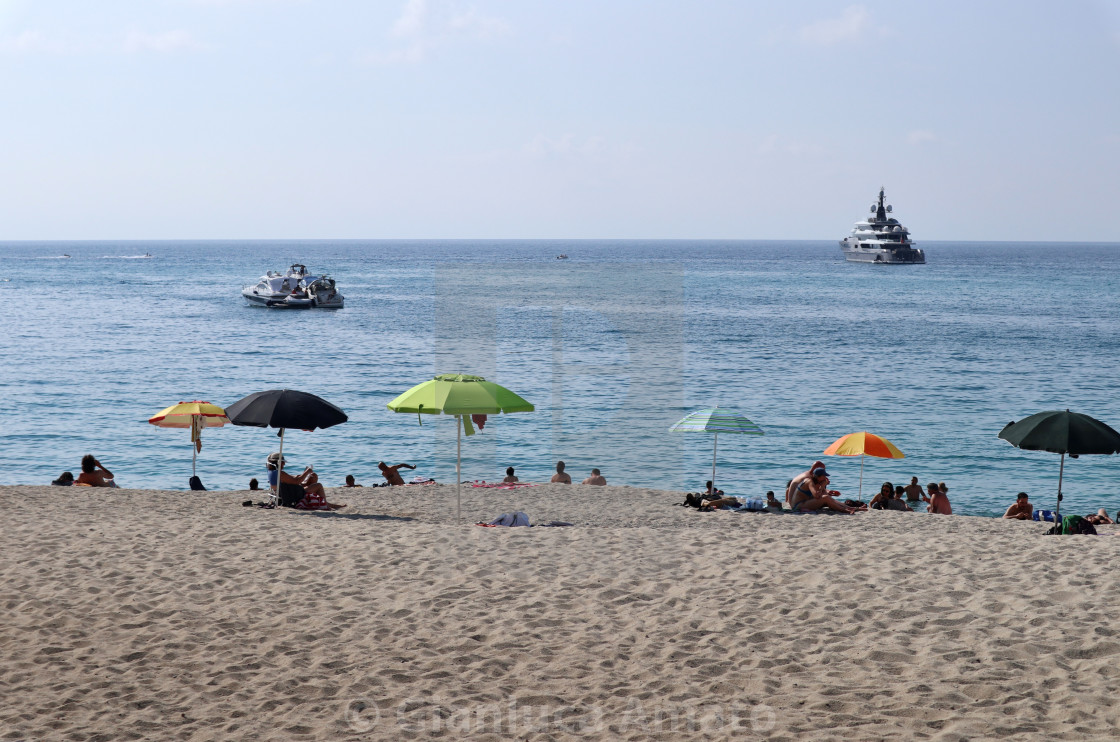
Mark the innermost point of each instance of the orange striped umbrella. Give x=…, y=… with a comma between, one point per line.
x=863, y=444
x=195, y=415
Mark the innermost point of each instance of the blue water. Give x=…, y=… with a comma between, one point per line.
x=612, y=346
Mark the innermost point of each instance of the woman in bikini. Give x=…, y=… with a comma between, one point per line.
x=811, y=495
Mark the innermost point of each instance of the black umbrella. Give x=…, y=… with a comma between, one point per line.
x=1064, y=432
x=284, y=408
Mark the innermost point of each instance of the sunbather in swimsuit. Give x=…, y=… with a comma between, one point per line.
x=811, y=495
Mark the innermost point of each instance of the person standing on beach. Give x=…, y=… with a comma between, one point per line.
x=560, y=477
x=94, y=474
x=1021, y=509
x=391, y=473
x=913, y=490
x=595, y=478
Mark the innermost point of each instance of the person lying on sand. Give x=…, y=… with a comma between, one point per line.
x=94, y=474
x=392, y=473
x=65, y=479
x=812, y=495
x=1099, y=518
x=1021, y=509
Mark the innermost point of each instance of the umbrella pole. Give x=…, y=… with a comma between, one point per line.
x=279, y=469
x=194, y=459
x=715, y=445
x=458, y=462
x=1058, y=507
x=860, y=495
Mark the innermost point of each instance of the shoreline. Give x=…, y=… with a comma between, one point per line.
x=162, y=614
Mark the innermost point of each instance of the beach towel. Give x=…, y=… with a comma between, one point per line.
x=514, y=519
x=503, y=485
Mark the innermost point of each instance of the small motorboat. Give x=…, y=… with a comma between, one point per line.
x=324, y=294
x=294, y=289
x=561, y=256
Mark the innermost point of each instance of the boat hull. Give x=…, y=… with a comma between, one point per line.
x=883, y=256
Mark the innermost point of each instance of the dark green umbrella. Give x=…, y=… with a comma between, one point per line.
x=1064, y=432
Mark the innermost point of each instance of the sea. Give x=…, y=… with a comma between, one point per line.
x=612, y=344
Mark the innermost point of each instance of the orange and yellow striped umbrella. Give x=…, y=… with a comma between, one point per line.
x=182, y=415
x=863, y=444
x=194, y=415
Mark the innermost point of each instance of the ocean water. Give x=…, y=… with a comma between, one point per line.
x=612, y=346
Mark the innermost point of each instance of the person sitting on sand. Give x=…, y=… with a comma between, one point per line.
x=812, y=495
x=772, y=502
x=882, y=497
x=392, y=473
x=796, y=481
x=66, y=479
x=293, y=490
x=595, y=478
x=510, y=478
x=94, y=474
x=254, y=485
x=350, y=481
x=939, y=503
x=560, y=477
x=710, y=491
x=1021, y=509
x=1099, y=518
x=913, y=490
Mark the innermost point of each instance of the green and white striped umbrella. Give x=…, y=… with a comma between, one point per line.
x=715, y=420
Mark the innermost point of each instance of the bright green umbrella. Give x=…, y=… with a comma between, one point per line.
x=460, y=395
x=715, y=420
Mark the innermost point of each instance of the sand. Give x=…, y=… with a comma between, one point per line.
x=155, y=615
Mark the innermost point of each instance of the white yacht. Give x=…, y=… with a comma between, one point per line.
x=881, y=239
x=294, y=289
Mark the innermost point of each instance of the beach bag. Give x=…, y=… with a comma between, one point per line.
x=753, y=504
x=1075, y=525
x=196, y=485
x=1041, y=515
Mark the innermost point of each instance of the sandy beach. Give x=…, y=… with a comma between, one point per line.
x=152, y=615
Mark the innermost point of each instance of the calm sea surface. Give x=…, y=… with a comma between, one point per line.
x=612, y=346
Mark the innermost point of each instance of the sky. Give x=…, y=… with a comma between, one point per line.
x=516, y=119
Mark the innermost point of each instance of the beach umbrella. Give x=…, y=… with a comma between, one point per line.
x=1063, y=432
x=715, y=420
x=460, y=395
x=863, y=444
x=195, y=415
x=284, y=408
